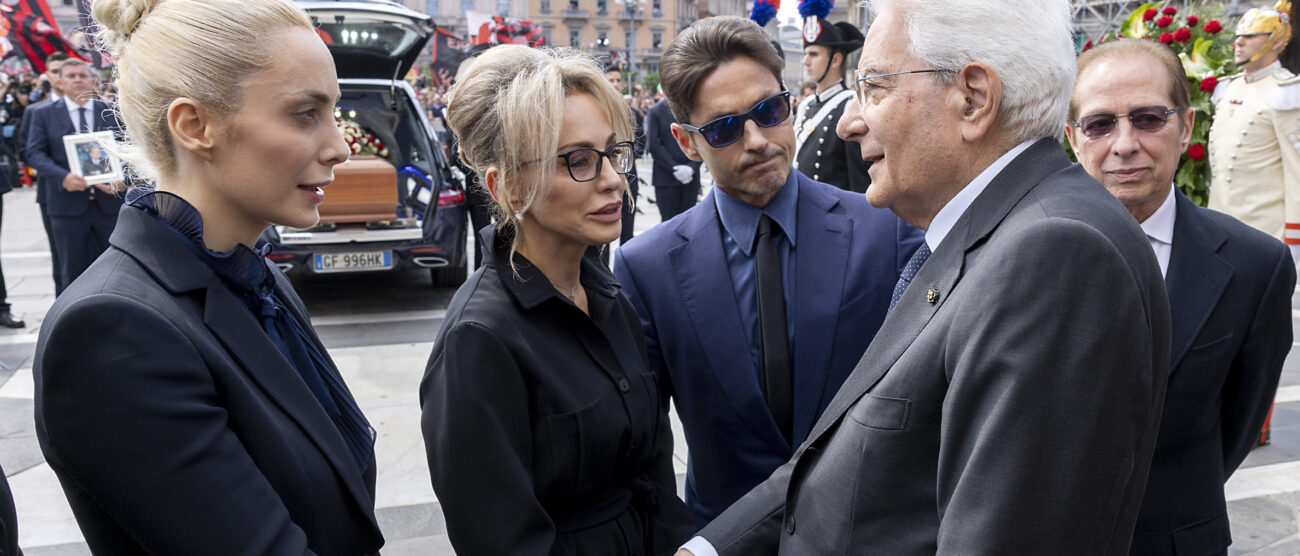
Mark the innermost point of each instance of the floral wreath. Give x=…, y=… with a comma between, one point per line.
x=360, y=141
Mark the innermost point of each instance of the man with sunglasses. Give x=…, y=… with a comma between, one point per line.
x=1254, y=145
x=1009, y=403
x=823, y=155
x=757, y=302
x=1229, y=291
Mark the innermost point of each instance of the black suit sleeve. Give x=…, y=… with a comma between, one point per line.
x=1252, y=381
x=38, y=149
x=129, y=413
x=659, y=139
x=479, y=442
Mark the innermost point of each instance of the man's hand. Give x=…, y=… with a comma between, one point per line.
x=73, y=182
x=683, y=173
x=111, y=188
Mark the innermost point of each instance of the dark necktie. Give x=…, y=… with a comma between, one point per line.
x=774, y=344
x=909, y=272
x=85, y=126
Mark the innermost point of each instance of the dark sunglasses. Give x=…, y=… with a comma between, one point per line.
x=584, y=163
x=728, y=129
x=1146, y=118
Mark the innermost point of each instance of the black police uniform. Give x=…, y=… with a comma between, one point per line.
x=821, y=154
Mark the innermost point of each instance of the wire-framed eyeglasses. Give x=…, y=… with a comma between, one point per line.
x=863, y=84
x=1146, y=118
x=584, y=163
x=726, y=130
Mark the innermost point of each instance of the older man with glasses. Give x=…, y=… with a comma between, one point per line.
x=1009, y=403
x=1229, y=292
x=758, y=301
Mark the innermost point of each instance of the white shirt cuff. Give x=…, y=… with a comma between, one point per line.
x=700, y=547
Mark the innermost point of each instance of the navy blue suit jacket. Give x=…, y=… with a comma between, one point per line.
x=1230, y=302
x=847, y=261
x=49, y=122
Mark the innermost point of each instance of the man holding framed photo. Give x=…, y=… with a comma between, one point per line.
x=82, y=214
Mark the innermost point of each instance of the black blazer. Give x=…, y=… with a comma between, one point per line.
x=664, y=148
x=174, y=424
x=1230, y=301
x=545, y=430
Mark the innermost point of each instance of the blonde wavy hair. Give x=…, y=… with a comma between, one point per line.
x=199, y=49
x=507, y=111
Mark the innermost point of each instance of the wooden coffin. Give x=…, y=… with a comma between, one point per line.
x=364, y=190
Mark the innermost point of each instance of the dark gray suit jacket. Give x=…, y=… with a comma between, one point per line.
x=1008, y=405
x=1230, y=296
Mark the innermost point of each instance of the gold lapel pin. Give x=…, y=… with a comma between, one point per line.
x=932, y=295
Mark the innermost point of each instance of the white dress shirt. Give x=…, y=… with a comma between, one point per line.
x=1159, y=228
x=940, y=225
x=74, y=112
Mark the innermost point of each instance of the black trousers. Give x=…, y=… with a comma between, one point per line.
x=80, y=240
x=4, y=293
x=674, y=200
x=479, y=206
x=55, y=263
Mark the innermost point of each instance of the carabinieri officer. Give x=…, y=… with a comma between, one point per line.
x=822, y=155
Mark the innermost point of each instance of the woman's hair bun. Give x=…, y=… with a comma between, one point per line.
x=122, y=17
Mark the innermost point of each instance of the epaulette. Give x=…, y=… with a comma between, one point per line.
x=1219, y=89
x=1287, y=95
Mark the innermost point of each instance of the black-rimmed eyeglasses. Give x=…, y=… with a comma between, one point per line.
x=863, y=84
x=726, y=130
x=584, y=163
x=1146, y=118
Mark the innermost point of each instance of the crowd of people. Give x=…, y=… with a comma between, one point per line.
x=902, y=322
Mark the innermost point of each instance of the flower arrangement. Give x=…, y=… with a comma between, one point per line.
x=361, y=142
x=1206, y=53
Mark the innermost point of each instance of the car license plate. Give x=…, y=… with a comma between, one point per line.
x=354, y=261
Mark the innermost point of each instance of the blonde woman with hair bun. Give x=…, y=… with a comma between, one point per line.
x=182, y=397
x=545, y=429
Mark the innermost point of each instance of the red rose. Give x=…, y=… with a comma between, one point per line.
x=1183, y=35
x=1193, y=21
x=1167, y=38
x=1164, y=21
x=1196, y=152
x=1087, y=45
x=1169, y=10
x=1149, y=15
x=1209, y=83
x=1213, y=26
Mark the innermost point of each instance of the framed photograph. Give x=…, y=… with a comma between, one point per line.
x=88, y=158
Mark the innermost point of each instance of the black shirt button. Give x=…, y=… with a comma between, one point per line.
x=789, y=525
x=623, y=385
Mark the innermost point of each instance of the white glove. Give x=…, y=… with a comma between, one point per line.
x=683, y=173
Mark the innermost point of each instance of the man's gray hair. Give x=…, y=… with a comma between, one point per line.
x=1029, y=44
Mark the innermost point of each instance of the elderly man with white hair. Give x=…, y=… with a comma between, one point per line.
x=1009, y=403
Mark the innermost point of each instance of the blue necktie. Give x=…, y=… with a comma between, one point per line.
x=85, y=126
x=909, y=272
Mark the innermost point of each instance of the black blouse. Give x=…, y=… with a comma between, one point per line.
x=545, y=430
